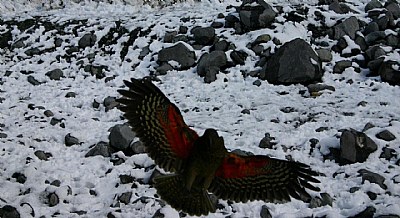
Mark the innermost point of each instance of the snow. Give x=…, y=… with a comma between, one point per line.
x=217, y=105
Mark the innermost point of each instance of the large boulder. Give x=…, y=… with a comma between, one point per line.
x=348, y=27
x=355, y=146
x=210, y=64
x=294, y=62
x=256, y=14
x=179, y=53
x=390, y=73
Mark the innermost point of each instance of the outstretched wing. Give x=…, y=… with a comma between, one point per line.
x=158, y=123
x=243, y=178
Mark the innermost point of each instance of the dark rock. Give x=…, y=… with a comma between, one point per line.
x=339, y=8
x=18, y=44
x=374, y=66
x=257, y=83
x=179, y=53
x=55, y=74
x=372, y=178
x=264, y=213
x=217, y=25
x=368, y=126
x=210, y=64
x=97, y=71
x=388, y=216
x=220, y=46
x=255, y=16
x=53, y=199
x=386, y=135
x=101, y=148
x=316, y=88
x=5, y=39
x=183, y=30
x=348, y=27
x=324, y=54
x=3, y=135
x=393, y=8
x=43, y=155
x=356, y=146
x=71, y=140
x=267, y=141
x=231, y=20
x=315, y=202
x=374, y=37
x=70, y=95
x=294, y=62
x=245, y=111
x=144, y=52
x=55, y=121
x=389, y=73
x=367, y=213
x=33, y=81
x=392, y=40
x=370, y=28
x=19, y=177
x=125, y=179
x=203, y=35
x=374, y=52
x=87, y=40
x=32, y=51
x=388, y=153
x=373, y=4
x=164, y=68
x=95, y=104
x=169, y=36
x=326, y=199
x=110, y=103
x=238, y=57
x=125, y=197
x=56, y=183
x=9, y=211
x=121, y=136
x=158, y=214
x=340, y=66
x=372, y=195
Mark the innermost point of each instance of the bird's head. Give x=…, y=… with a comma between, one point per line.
x=213, y=142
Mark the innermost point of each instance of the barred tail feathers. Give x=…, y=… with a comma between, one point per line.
x=171, y=189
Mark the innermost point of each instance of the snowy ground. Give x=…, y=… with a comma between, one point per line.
x=91, y=186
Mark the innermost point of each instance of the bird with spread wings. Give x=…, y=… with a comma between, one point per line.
x=202, y=164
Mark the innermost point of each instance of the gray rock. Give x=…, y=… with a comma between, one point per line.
x=18, y=44
x=373, y=4
x=179, y=53
x=19, y=177
x=340, y=66
x=315, y=202
x=348, y=27
x=339, y=7
x=264, y=213
x=210, y=64
x=71, y=140
x=238, y=57
x=138, y=147
x=125, y=197
x=392, y=40
x=368, y=126
x=286, y=68
x=373, y=37
x=220, y=46
x=386, y=135
x=371, y=27
x=326, y=199
x=203, y=35
x=3, y=135
x=231, y=20
x=169, y=36
x=55, y=74
x=367, y=213
x=394, y=8
x=388, y=73
x=43, y=155
x=126, y=179
x=87, y=40
x=32, y=51
x=97, y=71
x=355, y=146
x=374, y=52
x=315, y=88
x=9, y=211
x=110, y=103
x=164, y=68
x=324, y=54
x=255, y=16
x=372, y=178
x=48, y=113
x=121, y=136
x=101, y=148
x=33, y=81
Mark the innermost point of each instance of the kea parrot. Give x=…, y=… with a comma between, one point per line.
x=202, y=164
